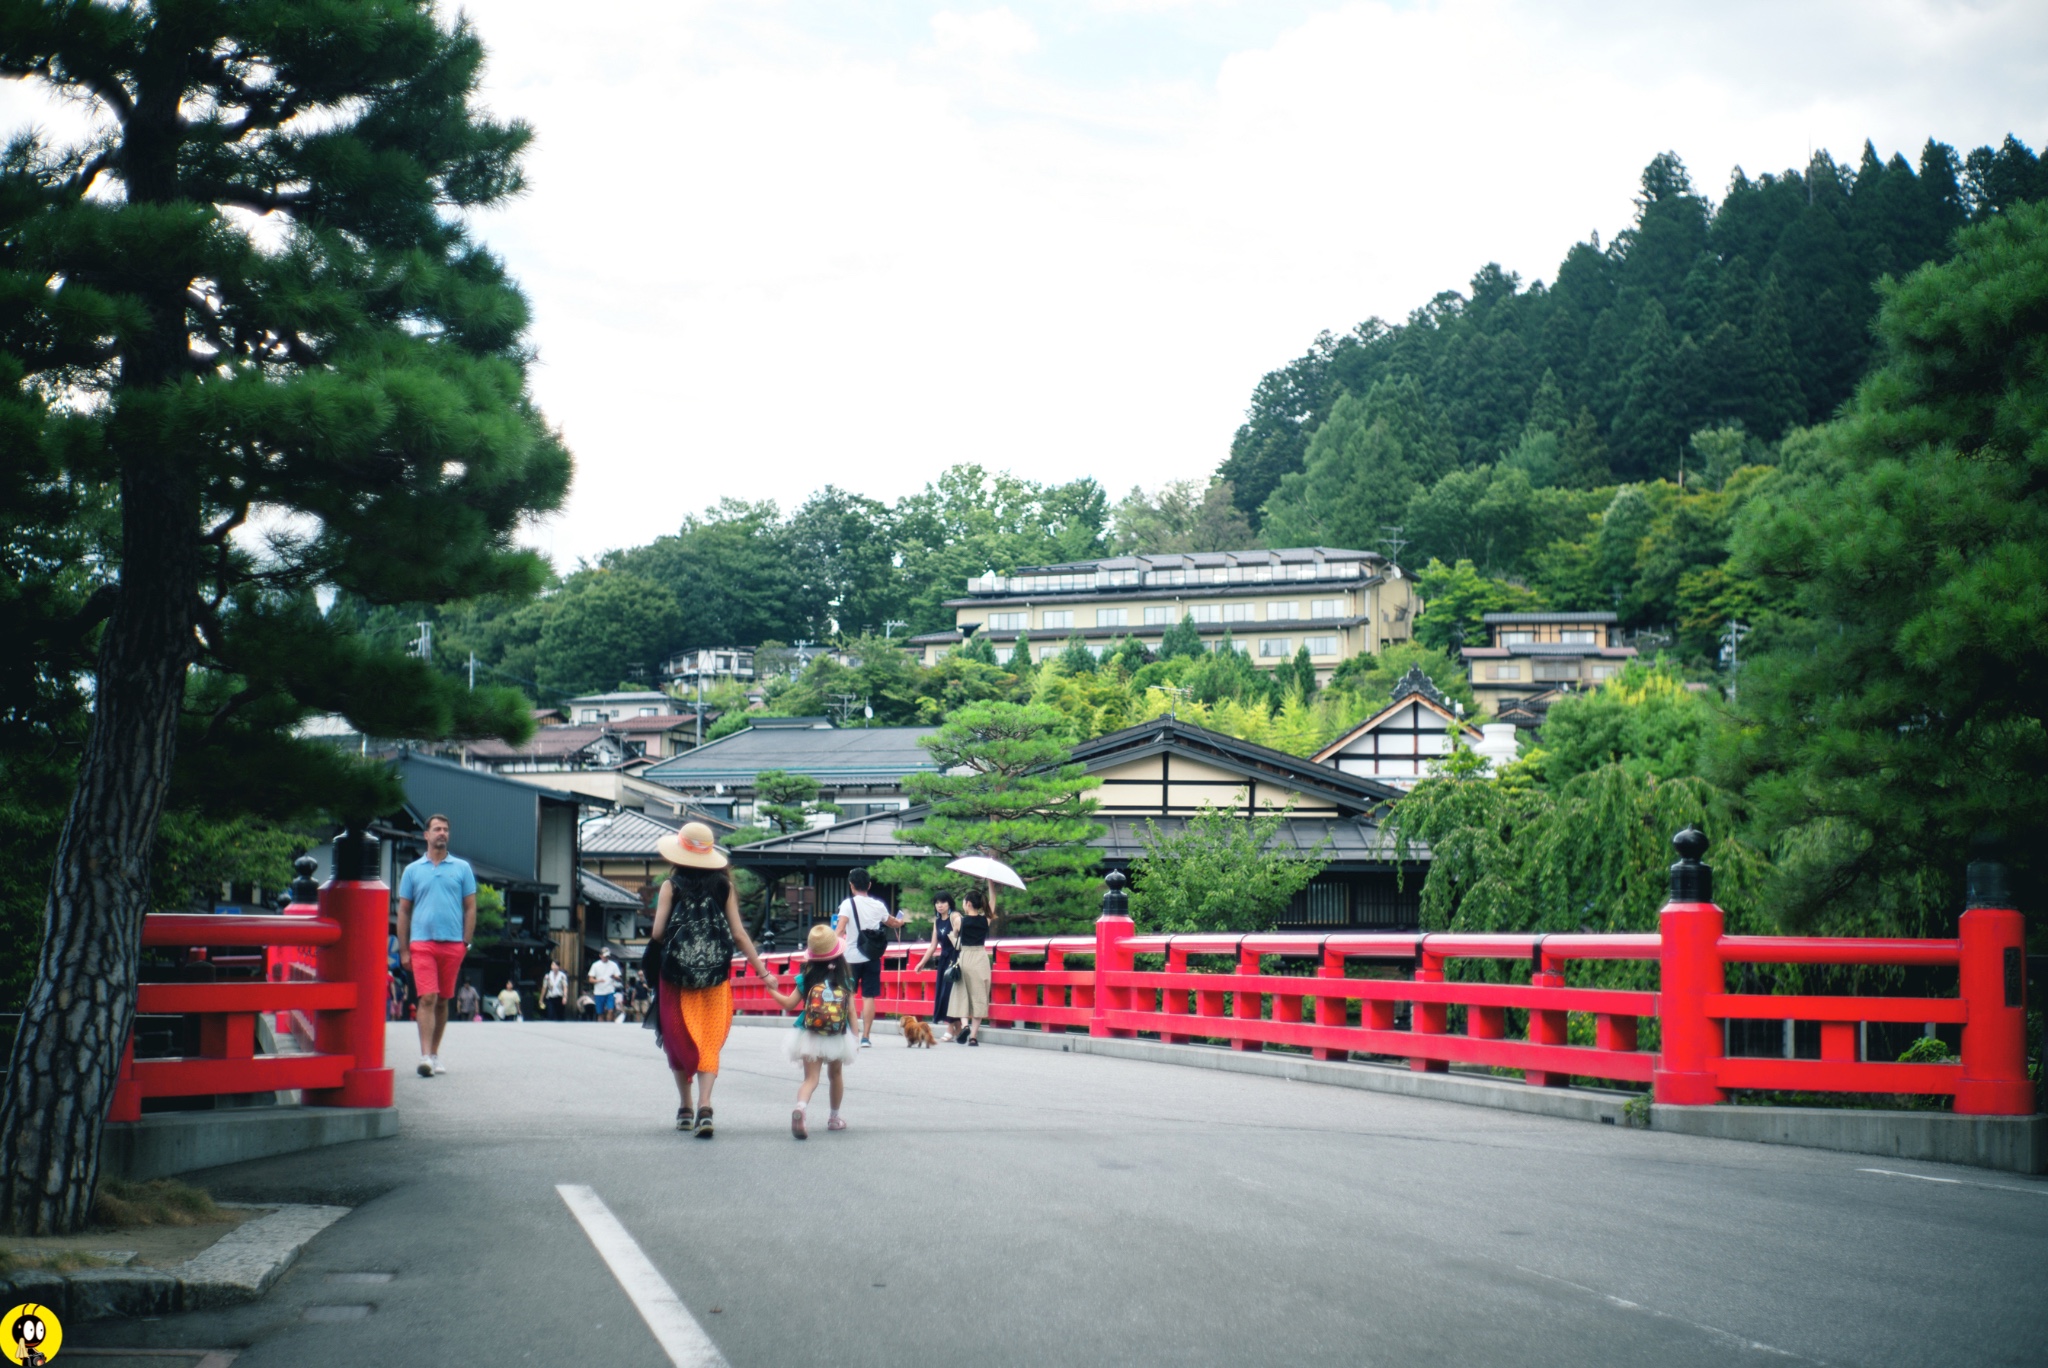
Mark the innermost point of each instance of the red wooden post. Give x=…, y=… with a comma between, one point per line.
x=361, y=903
x=1547, y=1027
x=1330, y=1011
x=1112, y=929
x=1994, y=983
x=1429, y=1018
x=1249, y=1006
x=1611, y=1032
x=1689, y=971
x=127, y=1103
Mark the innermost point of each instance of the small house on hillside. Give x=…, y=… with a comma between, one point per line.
x=1398, y=744
x=861, y=769
x=1158, y=775
x=1533, y=653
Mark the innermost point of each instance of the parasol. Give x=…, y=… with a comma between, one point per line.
x=982, y=867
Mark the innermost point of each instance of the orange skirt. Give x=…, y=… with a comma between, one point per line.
x=694, y=1025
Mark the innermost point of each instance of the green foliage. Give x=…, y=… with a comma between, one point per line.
x=1893, y=708
x=1183, y=640
x=1005, y=789
x=1644, y=718
x=1362, y=468
x=1370, y=679
x=1184, y=516
x=606, y=627
x=788, y=801
x=1222, y=871
x=196, y=853
x=1455, y=598
x=490, y=915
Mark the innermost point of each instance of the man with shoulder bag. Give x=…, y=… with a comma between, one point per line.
x=865, y=922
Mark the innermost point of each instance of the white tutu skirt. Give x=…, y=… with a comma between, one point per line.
x=803, y=1045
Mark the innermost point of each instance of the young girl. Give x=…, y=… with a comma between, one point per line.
x=823, y=1001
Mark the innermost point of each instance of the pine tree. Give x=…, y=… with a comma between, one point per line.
x=1183, y=639
x=1077, y=658
x=1019, y=663
x=360, y=367
x=1006, y=788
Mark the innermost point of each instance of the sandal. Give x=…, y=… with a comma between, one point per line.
x=835, y=1124
x=974, y=1040
x=686, y=1120
x=703, y=1123
x=796, y=1124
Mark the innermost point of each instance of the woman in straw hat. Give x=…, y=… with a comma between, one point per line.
x=697, y=923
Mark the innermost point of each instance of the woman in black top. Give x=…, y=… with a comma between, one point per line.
x=970, y=993
x=941, y=954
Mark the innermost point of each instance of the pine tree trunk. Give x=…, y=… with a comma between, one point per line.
x=68, y=1052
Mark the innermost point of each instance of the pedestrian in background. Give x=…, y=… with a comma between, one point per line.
x=822, y=1037
x=437, y=922
x=554, y=992
x=864, y=924
x=697, y=924
x=468, y=1003
x=604, y=984
x=970, y=991
x=508, y=1002
x=941, y=954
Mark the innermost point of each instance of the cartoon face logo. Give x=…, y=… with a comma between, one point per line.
x=30, y=1334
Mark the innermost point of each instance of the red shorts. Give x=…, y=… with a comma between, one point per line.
x=436, y=967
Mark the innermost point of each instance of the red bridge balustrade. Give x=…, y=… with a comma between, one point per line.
x=1333, y=1015
x=325, y=964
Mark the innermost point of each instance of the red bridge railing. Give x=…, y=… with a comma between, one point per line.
x=324, y=965
x=1256, y=1001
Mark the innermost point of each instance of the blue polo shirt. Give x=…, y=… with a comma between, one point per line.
x=436, y=893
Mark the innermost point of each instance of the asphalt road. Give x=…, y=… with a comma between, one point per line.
x=1003, y=1206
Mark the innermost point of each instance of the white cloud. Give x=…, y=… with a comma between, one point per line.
x=775, y=246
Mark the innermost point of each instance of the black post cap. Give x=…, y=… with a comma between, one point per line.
x=1692, y=879
x=1987, y=882
x=1115, y=902
x=355, y=856
x=305, y=888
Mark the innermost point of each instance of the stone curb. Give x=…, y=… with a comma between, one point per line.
x=2016, y=1144
x=237, y=1268
x=164, y=1143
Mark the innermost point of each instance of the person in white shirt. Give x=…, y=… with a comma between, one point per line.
x=554, y=992
x=863, y=912
x=604, y=985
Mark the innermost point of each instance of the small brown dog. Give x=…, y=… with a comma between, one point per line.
x=915, y=1032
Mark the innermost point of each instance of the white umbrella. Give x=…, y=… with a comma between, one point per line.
x=982, y=867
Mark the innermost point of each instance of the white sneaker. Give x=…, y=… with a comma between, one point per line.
x=439, y=1068
x=426, y=1066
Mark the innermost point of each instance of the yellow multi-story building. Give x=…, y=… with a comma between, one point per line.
x=1268, y=604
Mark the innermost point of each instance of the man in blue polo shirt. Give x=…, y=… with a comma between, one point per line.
x=436, y=922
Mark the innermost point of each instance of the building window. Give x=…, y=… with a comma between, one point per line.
x=1112, y=617
x=1321, y=646
x=650, y=712
x=1604, y=671
x=1159, y=617
x=1048, y=652
x=1327, y=904
x=1282, y=612
x=1206, y=612
x=1557, y=669
x=1517, y=638
x=1326, y=608
x=1270, y=647
x=1237, y=612
x=1062, y=618
x=1241, y=647
x=1579, y=638
x=1007, y=622
x=1507, y=672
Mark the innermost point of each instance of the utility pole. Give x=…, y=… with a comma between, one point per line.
x=891, y=625
x=1391, y=538
x=423, y=644
x=700, y=699
x=472, y=671
x=1731, y=650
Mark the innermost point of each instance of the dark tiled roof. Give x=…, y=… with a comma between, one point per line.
x=546, y=742
x=1204, y=560
x=1572, y=649
x=1251, y=760
x=1510, y=619
x=831, y=755
x=601, y=892
x=627, y=832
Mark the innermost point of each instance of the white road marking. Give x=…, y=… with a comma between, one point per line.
x=1726, y=1337
x=675, y=1329
x=2041, y=1191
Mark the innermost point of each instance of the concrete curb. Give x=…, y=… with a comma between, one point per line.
x=237, y=1268
x=164, y=1143
x=2016, y=1144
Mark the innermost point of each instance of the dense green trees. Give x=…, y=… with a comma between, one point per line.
x=1221, y=871
x=249, y=294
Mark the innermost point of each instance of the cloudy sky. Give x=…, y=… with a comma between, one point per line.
x=777, y=245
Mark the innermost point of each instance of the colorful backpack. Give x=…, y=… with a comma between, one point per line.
x=825, y=1010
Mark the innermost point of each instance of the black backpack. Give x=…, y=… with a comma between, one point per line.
x=871, y=942
x=698, y=949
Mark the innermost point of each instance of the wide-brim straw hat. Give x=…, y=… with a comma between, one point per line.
x=692, y=848
x=824, y=943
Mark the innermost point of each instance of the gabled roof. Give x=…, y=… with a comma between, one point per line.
x=831, y=755
x=631, y=834
x=602, y=892
x=1512, y=619
x=1414, y=688
x=1240, y=757
x=546, y=743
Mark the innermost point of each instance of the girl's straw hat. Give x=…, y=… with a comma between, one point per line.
x=692, y=848
x=824, y=943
